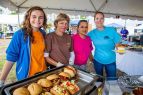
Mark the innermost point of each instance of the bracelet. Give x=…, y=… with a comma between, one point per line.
x=1, y=83
x=46, y=54
x=90, y=62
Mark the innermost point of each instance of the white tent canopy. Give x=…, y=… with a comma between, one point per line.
x=115, y=25
x=11, y=19
x=131, y=9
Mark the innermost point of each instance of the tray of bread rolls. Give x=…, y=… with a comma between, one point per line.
x=65, y=80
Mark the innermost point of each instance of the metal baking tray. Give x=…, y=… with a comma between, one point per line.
x=85, y=82
x=128, y=83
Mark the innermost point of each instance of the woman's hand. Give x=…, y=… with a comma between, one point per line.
x=59, y=64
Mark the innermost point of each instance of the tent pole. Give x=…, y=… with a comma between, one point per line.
x=103, y=5
x=93, y=5
x=18, y=18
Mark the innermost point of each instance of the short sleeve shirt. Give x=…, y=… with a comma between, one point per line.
x=37, y=54
x=82, y=49
x=104, y=42
x=59, y=47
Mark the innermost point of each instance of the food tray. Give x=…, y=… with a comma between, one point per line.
x=85, y=81
x=128, y=83
x=135, y=48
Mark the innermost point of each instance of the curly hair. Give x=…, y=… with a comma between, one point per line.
x=26, y=24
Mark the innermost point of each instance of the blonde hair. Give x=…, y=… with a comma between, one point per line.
x=61, y=17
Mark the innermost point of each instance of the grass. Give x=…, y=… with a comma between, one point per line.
x=11, y=77
x=2, y=61
x=3, y=45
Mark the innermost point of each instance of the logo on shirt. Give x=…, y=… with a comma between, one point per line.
x=106, y=37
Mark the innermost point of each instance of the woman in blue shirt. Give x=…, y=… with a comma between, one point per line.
x=105, y=40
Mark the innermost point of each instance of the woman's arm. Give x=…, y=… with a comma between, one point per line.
x=5, y=71
x=72, y=58
x=48, y=42
x=51, y=61
x=91, y=57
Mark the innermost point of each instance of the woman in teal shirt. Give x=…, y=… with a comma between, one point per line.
x=105, y=40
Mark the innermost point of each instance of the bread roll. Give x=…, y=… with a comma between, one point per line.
x=45, y=83
x=46, y=93
x=69, y=71
x=65, y=75
x=54, y=79
x=21, y=91
x=72, y=68
x=53, y=76
x=35, y=89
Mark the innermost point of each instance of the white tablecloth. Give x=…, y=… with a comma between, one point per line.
x=131, y=62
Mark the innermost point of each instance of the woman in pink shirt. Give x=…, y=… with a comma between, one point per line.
x=82, y=45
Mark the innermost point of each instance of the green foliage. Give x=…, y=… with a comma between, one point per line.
x=13, y=13
x=83, y=18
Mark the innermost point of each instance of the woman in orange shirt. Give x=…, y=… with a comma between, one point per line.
x=27, y=46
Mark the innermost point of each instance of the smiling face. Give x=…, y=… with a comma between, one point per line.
x=61, y=23
x=36, y=19
x=83, y=28
x=62, y=26
x=99, y=20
